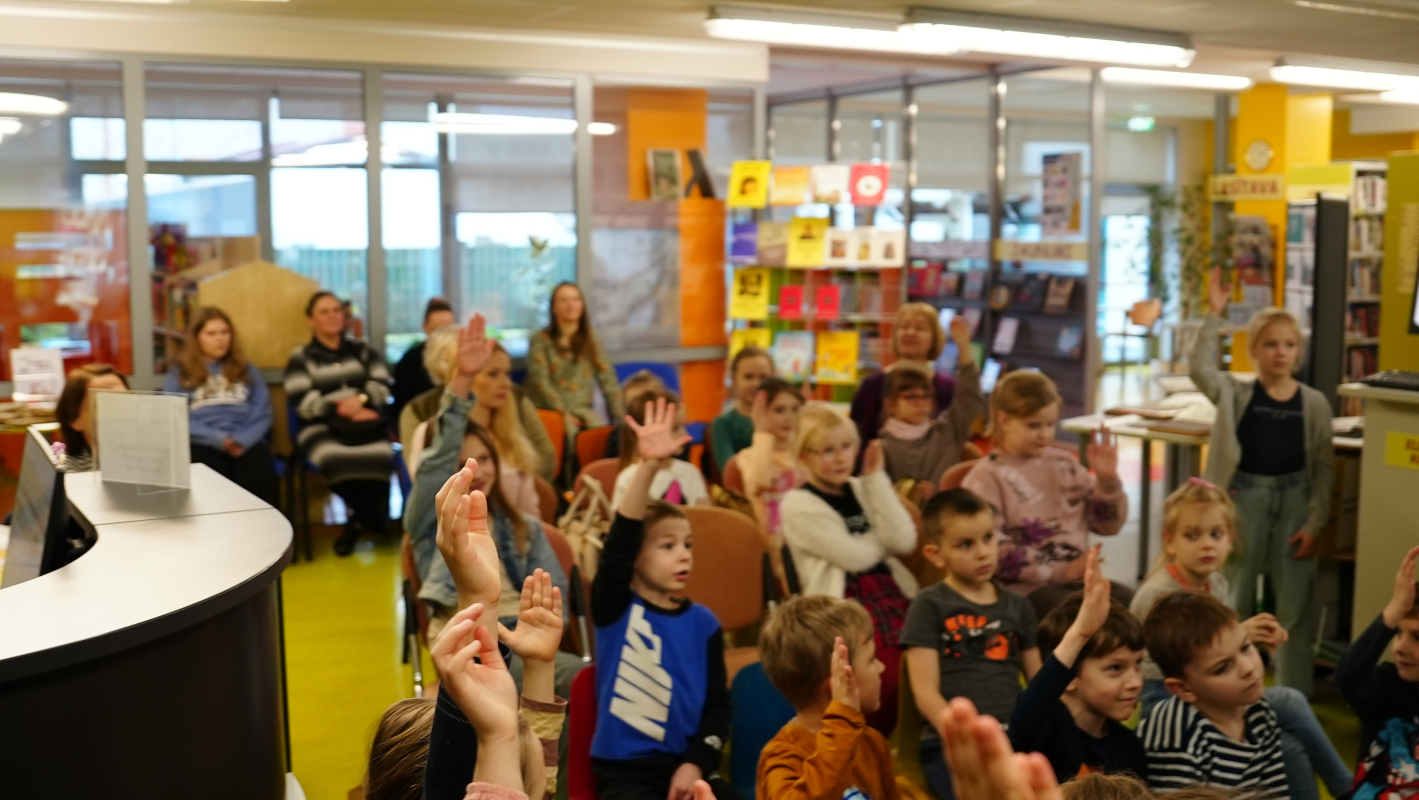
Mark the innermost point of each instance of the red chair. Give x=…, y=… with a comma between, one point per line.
x=581, y=727
x=733, y=477
x=956, y=475
x=591, y=444
x=557, y=431
x=604, y=470
x=572, y=636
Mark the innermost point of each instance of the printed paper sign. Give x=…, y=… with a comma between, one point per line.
x=142, y=438
x=1402, y=449
x=38, y=373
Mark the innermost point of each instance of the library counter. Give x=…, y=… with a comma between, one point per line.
x=152, y=665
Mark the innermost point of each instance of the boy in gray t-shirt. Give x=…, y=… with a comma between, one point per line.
x=966, y=636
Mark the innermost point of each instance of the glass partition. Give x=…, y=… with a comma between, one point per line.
x=798, y=133
x=64, y=271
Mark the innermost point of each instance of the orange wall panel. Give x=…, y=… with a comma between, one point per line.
x=702, y=301
x=702, y=386
x=662, y=118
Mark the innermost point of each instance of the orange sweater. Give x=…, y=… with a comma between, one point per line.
x=845, y=755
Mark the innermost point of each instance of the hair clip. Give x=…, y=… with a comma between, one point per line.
x=1203, y=482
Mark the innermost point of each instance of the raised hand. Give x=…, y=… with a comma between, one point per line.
x=961, y=335
x=1102, y=453
x=684, y=782
x=983, y=766
x=656, y=439
x=759, y=413
x=872, y=459
x=474, y=346
x=1402, y=599
x=1265, y=629
x=539, y=620
x=485, y=692
x=1217, y=295
x=1094, y=611
x=842, y=681
x=465, y=540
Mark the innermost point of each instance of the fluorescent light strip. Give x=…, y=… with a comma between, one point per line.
x=1052, y=46
x=1343, y=78
x=834, y=36
x=14, y=103
x=1186, y=80
x=1403, y=97
x=513, y=124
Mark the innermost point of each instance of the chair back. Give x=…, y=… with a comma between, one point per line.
x=411, y=574
x=414, y=448
x=557, y=432
x=956, y=475
x=708, y=467
x=546, y=499
x=591, y=444
x=759, y=711
x=561, y=547
x=667, y=373
x=729, y=547
x=581, y=728
x=971, y=451
x=733, y=477
x=604, y=471
x=566, y=560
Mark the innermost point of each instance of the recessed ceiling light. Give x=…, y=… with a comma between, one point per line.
x=15, y=103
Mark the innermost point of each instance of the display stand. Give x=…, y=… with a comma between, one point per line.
x=1390, y=464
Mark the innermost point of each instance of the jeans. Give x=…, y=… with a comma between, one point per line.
x=1305, y=747
x=933, y=766
x=1270, y=510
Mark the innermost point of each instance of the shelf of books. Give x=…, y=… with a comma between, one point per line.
x=1028, y=314
x=821, y=297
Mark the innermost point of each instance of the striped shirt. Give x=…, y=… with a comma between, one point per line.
x=1185, y=748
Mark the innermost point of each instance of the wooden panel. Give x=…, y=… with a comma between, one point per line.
x=670, y=118
x=267, y=307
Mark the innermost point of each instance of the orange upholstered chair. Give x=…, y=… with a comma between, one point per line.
x=729, y=547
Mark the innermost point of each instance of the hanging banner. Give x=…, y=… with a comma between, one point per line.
x=1041, y=251
x=1229, y=188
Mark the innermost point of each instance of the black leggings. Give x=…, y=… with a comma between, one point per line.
x=253, y=470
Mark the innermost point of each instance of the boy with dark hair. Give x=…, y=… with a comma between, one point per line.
x=1073, y=710
x=1386, y=696
x=1216, y=729
x=965, y=636
x=820, y=652
x=660, y=676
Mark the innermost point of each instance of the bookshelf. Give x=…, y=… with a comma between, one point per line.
x=816, y=284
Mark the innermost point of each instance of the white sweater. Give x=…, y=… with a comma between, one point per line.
x=823, y=550
x=692, y=483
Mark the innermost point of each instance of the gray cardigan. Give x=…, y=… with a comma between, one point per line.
x=1231, y=395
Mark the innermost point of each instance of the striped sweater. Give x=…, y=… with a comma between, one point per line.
x=1185, y=748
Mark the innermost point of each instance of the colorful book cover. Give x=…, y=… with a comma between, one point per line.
x=827, y=302
x=749, y=184
x=744, y=243
x=1070, y=342
x=837, y=356
x=861, y=247
x=773, y=244
x=791, y=186
x=837, y=251
x=950, y=284
x=975, y=283
x=869, y=299
x=751, y=294
x=793, y=355
x=889, y=247
x=1005, y=335
x=1057, y=297
x=868, y=183
x=761, y=338
x=830, y=183
x=790, y=301
x=972, y=316
x=806, y=237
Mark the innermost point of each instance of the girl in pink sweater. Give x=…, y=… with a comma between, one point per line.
x=1046, y=502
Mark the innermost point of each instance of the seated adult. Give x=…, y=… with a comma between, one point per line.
x=75, y=416
x=503, y=408
x=229, y=408
x=917, y=340
x=522, y=545
x=565, y=362
x=337, y=386
x=410, y=377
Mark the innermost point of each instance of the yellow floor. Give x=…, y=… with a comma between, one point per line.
x=342, y=660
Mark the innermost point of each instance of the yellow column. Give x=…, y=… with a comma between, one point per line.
x=1295, y=128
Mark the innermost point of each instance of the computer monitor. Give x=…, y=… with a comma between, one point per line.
x=40, y=523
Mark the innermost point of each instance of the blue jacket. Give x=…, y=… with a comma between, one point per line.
x=438, y=461
x=218, y=409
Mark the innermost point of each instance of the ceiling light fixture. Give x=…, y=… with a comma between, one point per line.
x=15, y=103
x=9, y=126
x=601, y=128
x=1404, y=97
x=1049, y=39
x=1186, y=80
x=1364, y=76
x=810, y=29
x=504, y=124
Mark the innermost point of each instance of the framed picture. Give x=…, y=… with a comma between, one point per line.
x=663, y=170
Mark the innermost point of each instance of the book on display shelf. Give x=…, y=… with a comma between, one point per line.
x=975, y=285
x=1059, y=294
x=750, y=297
x=790, y=301
x=1070, y=343
x=805, y=241
x=868, y=183
x=827, y=302
x=889, y=247
x=837, y=356
x=793, y=355
x=790, y=186
x=830, y=183
x=837, y=248
x=1005, y=334
x=773, y=244
x=741, y=338
x=744, y=243
x=749, y=184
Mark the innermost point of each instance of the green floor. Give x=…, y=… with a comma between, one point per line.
x=343, y=665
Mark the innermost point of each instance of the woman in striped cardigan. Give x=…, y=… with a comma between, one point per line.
x=337, y=387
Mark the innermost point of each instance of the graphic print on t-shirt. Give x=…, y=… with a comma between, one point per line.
x=976, y=635
x=643, y=688
x=219, y=391
x=1390, y=770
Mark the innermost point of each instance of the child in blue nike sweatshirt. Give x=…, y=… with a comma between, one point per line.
x=663, y=702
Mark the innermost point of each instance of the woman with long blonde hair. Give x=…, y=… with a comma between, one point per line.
x=229, y=407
